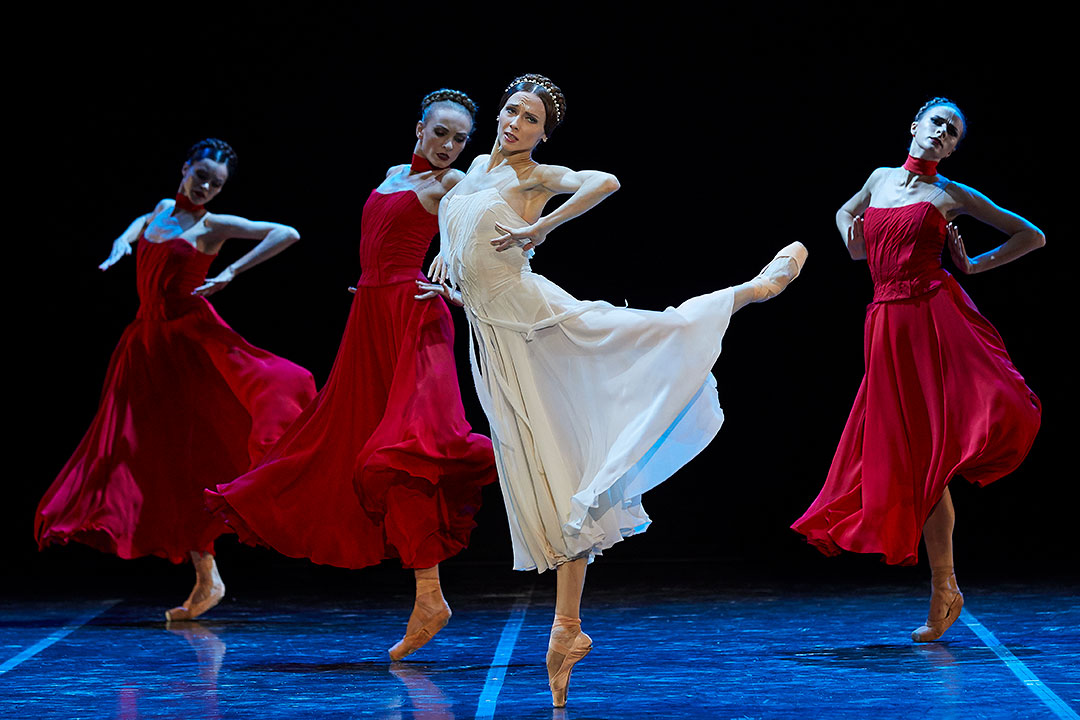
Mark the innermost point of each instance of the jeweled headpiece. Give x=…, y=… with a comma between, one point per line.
x=544, y=83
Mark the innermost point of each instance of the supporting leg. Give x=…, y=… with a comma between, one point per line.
x=208, y=592
x=567, y=644
x=946, y=600
x=430, y=614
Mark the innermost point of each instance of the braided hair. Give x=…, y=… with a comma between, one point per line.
x=548, y=92
x=447, y=95
x=943, y=101
x=213, y=149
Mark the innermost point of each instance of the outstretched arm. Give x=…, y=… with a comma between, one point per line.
x=122, y=245
x=1023, y=236
x=273, y=238
x=589, y=187
x=849, y=218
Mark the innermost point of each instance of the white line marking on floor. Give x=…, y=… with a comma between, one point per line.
x=489, y=698
x=1031, y=682
x=56, y=636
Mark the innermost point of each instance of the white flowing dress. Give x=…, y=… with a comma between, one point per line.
x=590, y=405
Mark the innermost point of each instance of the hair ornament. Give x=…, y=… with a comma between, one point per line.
x=544, y=83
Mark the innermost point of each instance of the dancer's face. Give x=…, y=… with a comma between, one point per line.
x=203, y=179
x=521, y=122
x=936, y=133
x=442, y=136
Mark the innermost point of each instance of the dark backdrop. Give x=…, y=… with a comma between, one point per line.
x=732, y=135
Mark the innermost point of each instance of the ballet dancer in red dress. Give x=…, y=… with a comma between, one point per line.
x=383, y=464
x=187, y=402
x=940, y=396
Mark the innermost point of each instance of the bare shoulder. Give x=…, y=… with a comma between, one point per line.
x=395, y=169
x=219, y=222
x=164, y=205
x=878, y=175
x=451, y=178
x=544, y=170
x=966, y=197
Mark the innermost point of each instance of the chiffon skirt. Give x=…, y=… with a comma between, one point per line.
x=590, y=406
x=940, y=398
x=187, y=403
x=383, y=463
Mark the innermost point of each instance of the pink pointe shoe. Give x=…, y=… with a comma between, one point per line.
x=197, y=603
x=208, y=591
x=778, y=274
x=431, y=620
x=946, y=602
x=572, y=653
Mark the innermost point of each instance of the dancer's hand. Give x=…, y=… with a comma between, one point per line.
x=956, y=249
x=528, y=237
x=215, y=284
x=855, y=239
x=429, y=290
x=120, y=248
x=352, y=289
x=438, y=272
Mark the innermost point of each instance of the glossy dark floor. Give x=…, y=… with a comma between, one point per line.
x=701, y=648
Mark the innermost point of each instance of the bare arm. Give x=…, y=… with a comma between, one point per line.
x=273, y=238
x=849, y=216
x=122, y=245
x=1023, y=236
x=588, y=188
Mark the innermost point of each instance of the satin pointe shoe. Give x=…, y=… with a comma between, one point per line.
x=573, y=652
x=778, y=274
x=432, y=617
x=198, y=602
x=946, y=602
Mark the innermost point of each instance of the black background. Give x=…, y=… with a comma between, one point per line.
x=732, y=134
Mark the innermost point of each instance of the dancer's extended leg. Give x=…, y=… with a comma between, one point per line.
x=773, y=278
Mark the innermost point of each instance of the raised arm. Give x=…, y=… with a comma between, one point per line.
x=1023, y=236
x=849, y=220
x=588, y=188
x=122, y=245
x=273, y=238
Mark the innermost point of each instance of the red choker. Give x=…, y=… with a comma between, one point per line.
x=919, y=166
x=183, y=203
x=420, y=164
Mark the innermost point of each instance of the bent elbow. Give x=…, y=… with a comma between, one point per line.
x=1039, y=240
x=291, y=234
x=611, y=183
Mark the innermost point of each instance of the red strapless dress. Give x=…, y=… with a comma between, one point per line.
x=187, y=403
x=383, y=463
x=940, y=397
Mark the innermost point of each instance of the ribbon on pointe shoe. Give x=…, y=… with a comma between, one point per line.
x=946, y=602
x=572, y=653
x=432, y=620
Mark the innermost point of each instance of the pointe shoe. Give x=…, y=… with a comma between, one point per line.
x=777, y=275
x=432, y=620
x=946, y=602
x=572, y=654
x=193, y=608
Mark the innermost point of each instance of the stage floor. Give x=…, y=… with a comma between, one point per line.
x=662, y=649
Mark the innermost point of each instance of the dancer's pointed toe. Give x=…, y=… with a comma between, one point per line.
x=785, y=266
x=944, y=610
x=431, y=625
x=571, y=652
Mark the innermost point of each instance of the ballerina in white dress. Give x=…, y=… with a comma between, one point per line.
x=590, y=405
